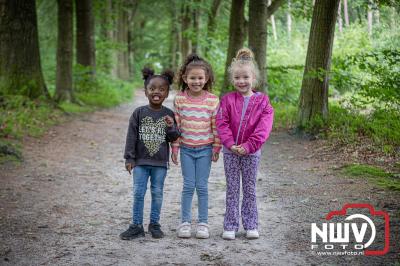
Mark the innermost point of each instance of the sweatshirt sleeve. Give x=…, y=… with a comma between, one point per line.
x=262, y=131
x=131, y=139
x=217, y=141
x=223, y=124
x=173, y=132
x=175, y=144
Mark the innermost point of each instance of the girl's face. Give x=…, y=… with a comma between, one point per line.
x=156, y=91
x=243, y=79
x=195, y=78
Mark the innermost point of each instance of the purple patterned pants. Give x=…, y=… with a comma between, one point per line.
x=246, y=166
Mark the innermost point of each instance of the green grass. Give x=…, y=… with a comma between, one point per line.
x=374, y=174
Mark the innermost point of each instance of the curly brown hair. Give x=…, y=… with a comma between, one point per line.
x=194, y=61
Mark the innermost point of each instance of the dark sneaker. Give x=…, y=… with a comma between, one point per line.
x=155, y=230
x=134, y=231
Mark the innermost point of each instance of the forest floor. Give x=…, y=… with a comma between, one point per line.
x=67, y=203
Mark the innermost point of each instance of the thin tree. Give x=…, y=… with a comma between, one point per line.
x=106, y=35
x=236, y=36
x=211, y=25
x=64, y=90
x=340, y=20
x=370, y=17
x=346, y=13
x=313, y=101
x=85, y=39
x=174, y=36
x=259, y=13
x=289, y=21
x=132, y=6
x=20, y=68
x=122, y=40
x=196, y=11
x=186, y=46
x=273, y=24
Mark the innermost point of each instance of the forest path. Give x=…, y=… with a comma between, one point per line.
x=71, y=198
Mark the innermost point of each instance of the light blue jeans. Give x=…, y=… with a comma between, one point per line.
x=141, y=174
x=196, y=165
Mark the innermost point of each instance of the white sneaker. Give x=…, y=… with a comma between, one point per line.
x=202, y=231
x=228, y=235
x=184, y=230
x=252, y=234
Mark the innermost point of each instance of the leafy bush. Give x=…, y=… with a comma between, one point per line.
x=381, y=126
x=375, y=76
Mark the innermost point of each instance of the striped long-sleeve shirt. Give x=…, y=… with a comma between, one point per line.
x=195, y=118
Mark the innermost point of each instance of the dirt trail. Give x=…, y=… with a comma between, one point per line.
x=71, y=198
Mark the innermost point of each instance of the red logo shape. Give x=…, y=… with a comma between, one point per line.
x=373, y=212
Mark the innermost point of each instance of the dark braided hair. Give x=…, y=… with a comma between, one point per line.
x=148, y=74
x=194, y=61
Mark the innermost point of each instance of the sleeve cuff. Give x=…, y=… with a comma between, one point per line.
x=129, y=161
x=216, y=149
x=246, y=146
x=175, y=149
x=229, y=144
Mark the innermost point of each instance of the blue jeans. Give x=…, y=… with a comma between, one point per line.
x=196, y=165
x=141, y=174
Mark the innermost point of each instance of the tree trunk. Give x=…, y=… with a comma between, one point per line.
x=346, y=13
x=340, y=20
x=236, y=36
x=196, y=13
x=64, y=52
x=273, y=24
x=132, y=8
x=186, y=22
x=274, y=28
x=259, y=13
x=289, y=21
x=106, y=34
x=212, y=16
x=258, y=36
x=393, y=18
x=369, y=18
x=85, y=42
x=313, y=101
x=174, y=40
x=122, y=40
x=20, y=68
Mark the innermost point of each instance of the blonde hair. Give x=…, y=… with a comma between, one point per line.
x=245, y=57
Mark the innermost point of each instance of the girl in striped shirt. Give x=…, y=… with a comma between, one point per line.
x=195, y=113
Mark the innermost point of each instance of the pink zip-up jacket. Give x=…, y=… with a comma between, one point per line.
x=255, y=127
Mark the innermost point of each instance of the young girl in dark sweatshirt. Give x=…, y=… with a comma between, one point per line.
x=151, y=129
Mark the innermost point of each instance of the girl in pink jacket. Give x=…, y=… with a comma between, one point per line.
x=244, y=121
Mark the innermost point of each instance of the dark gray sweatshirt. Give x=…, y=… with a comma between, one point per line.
x=147, y=141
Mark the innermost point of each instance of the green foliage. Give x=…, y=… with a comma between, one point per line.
x=382, y=127
x=102, y=91
x=284, y=83
x=285, y=114
x=374, y=174
x=373, y=75
x=21, y=116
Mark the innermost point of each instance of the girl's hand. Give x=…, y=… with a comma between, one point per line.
x=169, y=121
x=129, y=167
x=234, y=149
x=174, y=158
x=215, y=157
x=241, y=150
